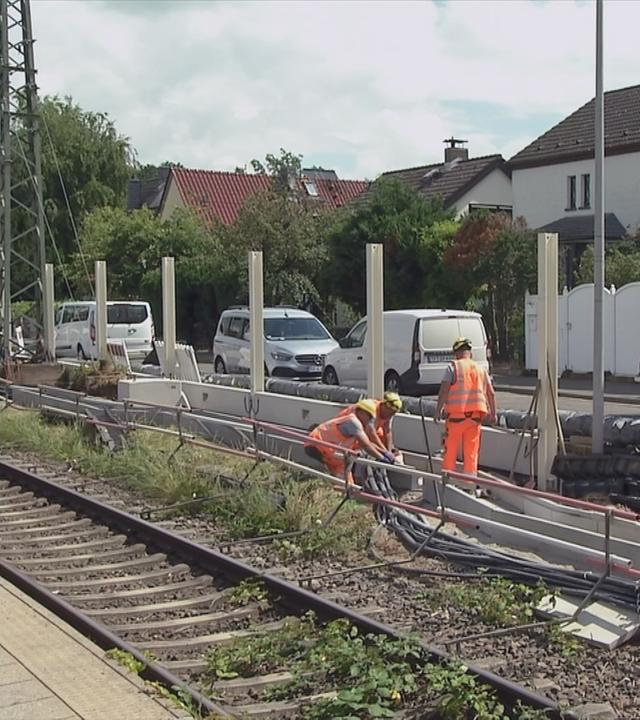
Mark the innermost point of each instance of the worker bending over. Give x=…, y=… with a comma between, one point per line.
x=380, y=431
x=347, y=431
x=466, y=397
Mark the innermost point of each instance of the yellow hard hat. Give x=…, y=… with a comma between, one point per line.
x=367, y=406
x=392, y=400
x=461, y=343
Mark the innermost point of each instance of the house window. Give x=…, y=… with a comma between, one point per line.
x=571, y=192
x=311, y=188
x=586, y=192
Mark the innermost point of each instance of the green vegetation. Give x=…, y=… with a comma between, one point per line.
x=563, y=643
x=127, y=660
x=621, y=263
x=369, y=676
x=249, y=591
x=178, y=696
x=269, y=501
x=495, y=601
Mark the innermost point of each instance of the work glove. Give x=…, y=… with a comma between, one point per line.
x=388, y=458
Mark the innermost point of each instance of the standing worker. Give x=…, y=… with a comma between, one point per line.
x=346, y=432
x=466, y=397
x=380, y=432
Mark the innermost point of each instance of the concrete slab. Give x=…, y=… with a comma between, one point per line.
x=49, y=708
x=599, y=623
x=50, y=672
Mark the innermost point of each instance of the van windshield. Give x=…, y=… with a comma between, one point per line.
x=294, y=328
x=126, y=314
x=440, y=333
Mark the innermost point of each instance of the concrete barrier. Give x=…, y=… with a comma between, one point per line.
x=498, y=445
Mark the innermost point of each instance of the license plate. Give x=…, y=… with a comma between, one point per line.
x=439, y=357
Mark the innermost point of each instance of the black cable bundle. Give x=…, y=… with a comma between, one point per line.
x=412, y=531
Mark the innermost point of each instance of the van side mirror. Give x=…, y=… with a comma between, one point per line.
x=344, y=342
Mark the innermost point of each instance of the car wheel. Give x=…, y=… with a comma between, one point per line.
x=330, y=376
x=392, y=382
x=80, y=353
x=219, y=366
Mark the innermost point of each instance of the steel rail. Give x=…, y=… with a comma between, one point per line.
x=292, y=596
x=103, y=637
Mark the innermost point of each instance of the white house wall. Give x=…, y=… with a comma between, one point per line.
x=540, y=193
x=575, y=330
x=494, y=189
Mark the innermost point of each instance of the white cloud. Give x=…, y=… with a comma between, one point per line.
x=363, y=87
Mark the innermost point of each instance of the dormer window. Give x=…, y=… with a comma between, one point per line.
x=311, y=188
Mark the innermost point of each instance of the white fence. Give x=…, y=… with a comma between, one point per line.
x=575, y=330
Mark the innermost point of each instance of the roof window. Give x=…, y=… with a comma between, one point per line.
x=311, y=188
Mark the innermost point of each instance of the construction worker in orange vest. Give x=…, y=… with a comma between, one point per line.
x=345, y=431
x=380, y=433
x=466, y=397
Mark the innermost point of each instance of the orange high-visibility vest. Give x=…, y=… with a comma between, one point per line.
x=466, y=394
x=381, y=426
x=329, y=432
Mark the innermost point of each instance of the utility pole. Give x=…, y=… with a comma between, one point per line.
x=597, y=426
x=22, y=248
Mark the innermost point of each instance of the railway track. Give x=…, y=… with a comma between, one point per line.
x=135, y=585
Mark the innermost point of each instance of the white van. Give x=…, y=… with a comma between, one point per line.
x=130, y=321
x=417, y=350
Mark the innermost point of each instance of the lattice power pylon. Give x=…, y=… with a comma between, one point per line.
x=22, y=241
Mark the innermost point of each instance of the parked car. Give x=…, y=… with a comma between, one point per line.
x=417, y=349
x=75, y=332
x=295, y=342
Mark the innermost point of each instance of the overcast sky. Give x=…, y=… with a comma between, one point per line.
x=359, y=86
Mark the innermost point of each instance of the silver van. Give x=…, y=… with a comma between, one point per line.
x=295, y=343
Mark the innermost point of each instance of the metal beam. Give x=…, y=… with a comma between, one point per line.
x=169, y=314
x=256, y=323
x=48, y=310
x=597, y=428
x=547, y=355
x=101, y=310
x=375, y=320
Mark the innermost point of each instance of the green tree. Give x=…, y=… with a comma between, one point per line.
x=86, y=164
x=285, y=170
x=414, y=232
x=291, y=237
x=494, y=258
x=621, y=264
x=133, y=243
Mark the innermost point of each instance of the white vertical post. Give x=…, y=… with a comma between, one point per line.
x=375, y=324
x=101, y=310
x=48, y=314
x=547, y=355
x=597, y=424
x=256, y=322
x=169, y=314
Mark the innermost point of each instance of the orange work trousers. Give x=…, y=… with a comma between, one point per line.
x=465, y=432
x=333, y=462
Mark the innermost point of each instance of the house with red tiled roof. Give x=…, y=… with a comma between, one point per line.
x=219, y=196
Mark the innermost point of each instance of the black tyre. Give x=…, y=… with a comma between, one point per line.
x=330, y=376
x=392, y=382
x=219, y=366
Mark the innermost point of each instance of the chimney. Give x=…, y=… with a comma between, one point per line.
x=455, y=150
